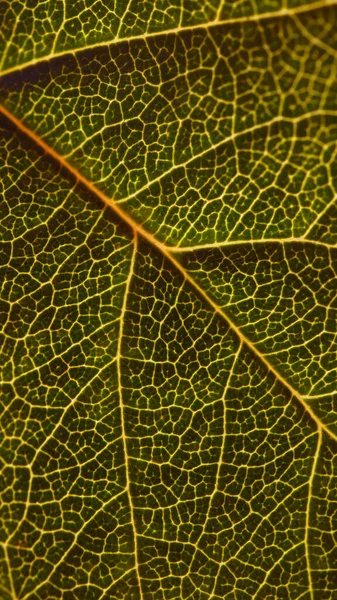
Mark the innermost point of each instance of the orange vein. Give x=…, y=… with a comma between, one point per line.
x=138, y=229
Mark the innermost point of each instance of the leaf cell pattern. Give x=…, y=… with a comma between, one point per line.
x=168, y=300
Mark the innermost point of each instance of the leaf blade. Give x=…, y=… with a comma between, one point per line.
x=224, y=481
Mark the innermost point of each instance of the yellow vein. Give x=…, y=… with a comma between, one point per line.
x=320, y=215
x=5, y=546
x=307, y=520
x=220, y=462
x=5, y=590
x=282, y=13
x=275, y=565
x=313, y=39
x=233, y=136
x=315, y=396
x=228, y=243
x=10, y=571
x=121, y=408
x=81, y=178
x=138, y=229
x=72, y=545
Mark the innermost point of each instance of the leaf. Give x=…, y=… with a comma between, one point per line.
x=168, y=300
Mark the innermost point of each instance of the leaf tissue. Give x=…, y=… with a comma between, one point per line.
x=168, y=300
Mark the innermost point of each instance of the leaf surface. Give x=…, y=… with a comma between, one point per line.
x=168, y=301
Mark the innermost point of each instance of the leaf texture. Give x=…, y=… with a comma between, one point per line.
x=168, y=300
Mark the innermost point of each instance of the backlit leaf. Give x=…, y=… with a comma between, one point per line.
x=168, y=300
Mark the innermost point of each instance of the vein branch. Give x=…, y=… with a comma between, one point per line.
x=165, y=250
x=307, y=522
x=283, y=12
x=228, y=243
x=121, y=407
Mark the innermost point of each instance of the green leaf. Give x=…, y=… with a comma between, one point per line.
x=168, y=300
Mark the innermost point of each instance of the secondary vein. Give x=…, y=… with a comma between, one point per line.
x=165, y=250
x=283, y=12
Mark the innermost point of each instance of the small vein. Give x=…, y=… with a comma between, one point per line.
x=10, y=575
x=275, y=565
x=220, y=461
x=72, y=545
x=138, y=229
x=81, y=178
x=320, y=215
x=284, y=12
x=233, y=136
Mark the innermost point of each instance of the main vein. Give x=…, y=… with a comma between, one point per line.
x=165, y=250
